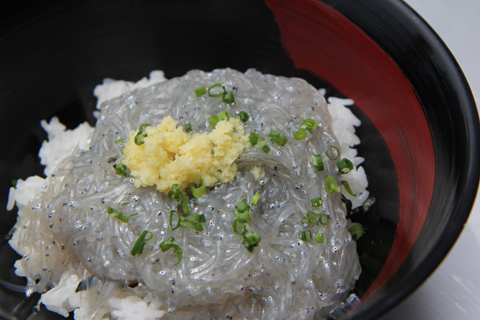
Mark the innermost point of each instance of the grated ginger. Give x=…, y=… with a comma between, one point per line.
x=170, y=155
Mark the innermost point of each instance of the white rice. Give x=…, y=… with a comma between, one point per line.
x=123, y=302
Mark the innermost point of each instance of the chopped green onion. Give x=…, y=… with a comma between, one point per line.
x=184, y=203
x=319, y=237
x=256, y=140
x=14, y=183
x=121, y=169
x=305, y=235
x=117, y=214
x=216, y=95
x=251, y=240
x=242, y=206
x=317, y=162
x=317, y=202
x=278, y=137
x=228, y=97
x=169, y=244
x=300, y=134
x=188, y=127
x=140, y=137
x=345, y=166
x=144, y=126
x=333, y=153
x=347, y=187
x=244, y=219
x=356, y=230
x=309, y=124
x=119, y=141
x=213, y=120
x=256, y=198
x=200, y=191
x=193, y=221
x=330, y=185
x=140, y=243
x=323, y=218
x=178, y=221
x=243, y=116
x=200, y=91
x=180, y=196
x=309, y=218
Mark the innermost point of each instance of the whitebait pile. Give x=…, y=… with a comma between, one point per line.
x=301, y=263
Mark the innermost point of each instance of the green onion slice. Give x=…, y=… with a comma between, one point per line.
x=242, y=206
x=119, y=141
x=228, y=97
x=120, y=216
x=200, y=91
x=305, y=235
x=243, y=219
x=170, y=243
x=144, y=126
x=266, y=149
x=193, y=221
x=347, y=187
x=333, y=153
x=188, y=127
x=256, y=140
x=121, y=169
x=251, y=240
x=278, y=137
x=172, y=212
x=14, y=183
x=345, y=166
x=331, y=186
x=140, y=137
x=323, y=218
x=309, y=124
x=180, y=196
x=200, y=191
x=213, y=120
x=309, y=218
x=317, y=162
x=243, y=116
x=140, y=243
x=300, y=134
x=356, y=230
x=216, y=95
x=317, y=202
x=256, y=198
x=319, y=237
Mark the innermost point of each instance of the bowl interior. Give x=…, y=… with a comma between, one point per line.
x=416, y=108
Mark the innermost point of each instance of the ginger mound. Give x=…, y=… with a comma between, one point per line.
x=170, y=155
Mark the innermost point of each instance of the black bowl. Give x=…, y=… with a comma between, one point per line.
x=420, y=124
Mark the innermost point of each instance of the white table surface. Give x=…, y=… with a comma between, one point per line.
x=452, y=292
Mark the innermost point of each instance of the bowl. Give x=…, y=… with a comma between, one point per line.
x=419, y=130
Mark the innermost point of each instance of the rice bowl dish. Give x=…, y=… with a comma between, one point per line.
x=303, y=262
